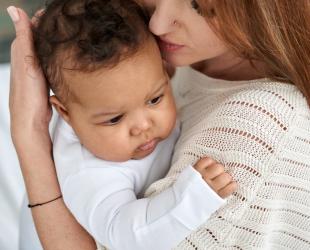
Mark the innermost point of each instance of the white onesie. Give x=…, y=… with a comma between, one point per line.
x=102, y=195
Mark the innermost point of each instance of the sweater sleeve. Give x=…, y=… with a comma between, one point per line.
x=110, y=211
x=248, y=133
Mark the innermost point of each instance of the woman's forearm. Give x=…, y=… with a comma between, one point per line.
x=56, y=227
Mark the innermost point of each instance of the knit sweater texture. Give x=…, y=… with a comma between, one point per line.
x=260, y=131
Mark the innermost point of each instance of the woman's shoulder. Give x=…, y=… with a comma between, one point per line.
x=266, y=94
x=267, y=108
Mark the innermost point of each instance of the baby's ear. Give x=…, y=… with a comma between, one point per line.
x=61, y=109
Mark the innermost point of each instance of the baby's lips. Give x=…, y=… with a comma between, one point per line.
x=149, y=145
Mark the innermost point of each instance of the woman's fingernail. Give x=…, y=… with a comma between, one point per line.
x=13, y=13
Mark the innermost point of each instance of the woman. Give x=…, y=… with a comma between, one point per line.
x=245, y=102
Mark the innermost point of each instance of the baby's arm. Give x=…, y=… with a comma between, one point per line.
x=108, y=208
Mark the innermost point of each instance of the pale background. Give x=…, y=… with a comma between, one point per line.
x=11, y=183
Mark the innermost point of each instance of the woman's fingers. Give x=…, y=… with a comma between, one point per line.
x=35, y=19
x=13, y=13
x=22, y=52
x=21, y=22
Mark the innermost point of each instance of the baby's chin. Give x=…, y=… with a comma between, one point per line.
x=113, y=158
x=124, y=158
x=139, y=157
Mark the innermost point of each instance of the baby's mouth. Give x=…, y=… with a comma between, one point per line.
x=148, y=146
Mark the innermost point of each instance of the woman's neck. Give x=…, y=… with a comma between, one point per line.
x=230, y=67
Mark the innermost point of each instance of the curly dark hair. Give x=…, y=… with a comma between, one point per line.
x=87, y=35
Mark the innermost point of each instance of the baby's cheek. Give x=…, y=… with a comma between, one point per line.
x=121, y=148
x=170, y=125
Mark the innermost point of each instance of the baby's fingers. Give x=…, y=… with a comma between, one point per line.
x=213, y=171
x=220, y=181
x=228, y=190
x=203, y=163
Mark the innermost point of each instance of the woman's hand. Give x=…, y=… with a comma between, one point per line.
x=29, y=106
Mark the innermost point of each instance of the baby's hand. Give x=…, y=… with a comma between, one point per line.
x=213, y=173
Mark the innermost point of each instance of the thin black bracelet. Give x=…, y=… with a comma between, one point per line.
x=41, y=204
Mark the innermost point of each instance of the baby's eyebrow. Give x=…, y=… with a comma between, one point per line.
x=104, y=114
x=164, y=82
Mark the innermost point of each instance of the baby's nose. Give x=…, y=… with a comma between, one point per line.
x=141, y=125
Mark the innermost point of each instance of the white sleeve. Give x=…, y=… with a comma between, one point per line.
x=110, y=211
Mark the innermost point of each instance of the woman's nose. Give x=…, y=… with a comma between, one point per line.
x=161, y=21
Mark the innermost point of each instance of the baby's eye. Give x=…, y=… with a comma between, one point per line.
x=114, y=120
x=156, y=100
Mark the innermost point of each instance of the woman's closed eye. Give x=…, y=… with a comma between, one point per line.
x=113, y=121
x=156, y=100
x=195, y=6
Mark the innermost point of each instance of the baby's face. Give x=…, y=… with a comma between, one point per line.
x=122, y=113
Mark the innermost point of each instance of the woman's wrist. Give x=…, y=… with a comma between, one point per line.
x=34, y=151
x=40, y=177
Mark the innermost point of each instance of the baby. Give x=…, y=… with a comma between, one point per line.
x=118, y=127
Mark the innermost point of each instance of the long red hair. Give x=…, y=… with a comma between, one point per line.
x=275, y=32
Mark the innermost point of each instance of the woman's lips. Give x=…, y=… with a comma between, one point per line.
x=149, y=146
x=169, y=47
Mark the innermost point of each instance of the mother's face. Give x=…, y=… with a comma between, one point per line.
x=184, y=36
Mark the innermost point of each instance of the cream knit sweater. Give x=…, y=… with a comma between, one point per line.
x=260, y=131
